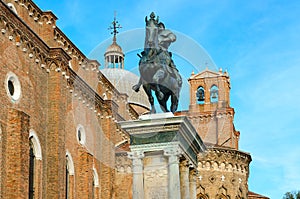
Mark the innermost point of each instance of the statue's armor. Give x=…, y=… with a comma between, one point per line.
x=165, y=38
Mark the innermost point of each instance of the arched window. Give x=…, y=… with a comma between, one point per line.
x=222, y=193
x=35, y=157
x=95, y=183
x=12, y=7
x=240, y=194
x=31, y=170
x=221, y=197
x=200, y=94
x=202, y=196
x=36, y=145
x=67, y=180
x=69, y=172
x=214, y=94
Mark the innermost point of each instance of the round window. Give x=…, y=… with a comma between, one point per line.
x=80, y=133
x=13, y=86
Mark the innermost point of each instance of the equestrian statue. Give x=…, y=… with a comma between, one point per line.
x=158, y=72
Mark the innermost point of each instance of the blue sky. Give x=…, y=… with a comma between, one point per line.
x=257, y=42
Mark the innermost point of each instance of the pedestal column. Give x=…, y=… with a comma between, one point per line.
x=173, y=173
x=193, y=185
x=184, y=179
x=137, y=170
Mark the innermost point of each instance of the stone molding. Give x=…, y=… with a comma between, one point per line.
x=36, y=13
x=123, y=163
x=48, y=18
x=170, y=148
x=158, y=128
x=173, y=150
x=221, y=159
x=27, y=41
x=225, y=155
x=63, y=41
x=226, y=112
x=53, y=59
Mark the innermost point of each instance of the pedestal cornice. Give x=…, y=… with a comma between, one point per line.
x=158, y=132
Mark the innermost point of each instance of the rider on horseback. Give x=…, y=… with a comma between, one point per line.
x=165, y=38
x=157, y=69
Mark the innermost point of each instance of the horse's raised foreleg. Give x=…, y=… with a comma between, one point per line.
x=136, y=87
x=147, y=90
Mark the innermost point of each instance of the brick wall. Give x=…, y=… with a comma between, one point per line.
x=15, y=157
x=46, y=99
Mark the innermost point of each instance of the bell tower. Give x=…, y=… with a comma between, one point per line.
x=209, y=91
x=209, y=109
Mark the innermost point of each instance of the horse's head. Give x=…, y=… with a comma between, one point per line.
x=151, y=40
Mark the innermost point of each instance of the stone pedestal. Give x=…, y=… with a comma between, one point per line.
x=163, y=148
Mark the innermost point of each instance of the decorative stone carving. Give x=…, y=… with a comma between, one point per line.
x=155, y=176
x=136, y=157
x=221, y=168
x=173, y=154
x=224, y=160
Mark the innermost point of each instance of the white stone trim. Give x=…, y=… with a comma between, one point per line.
x=70, y=163
x=36, y=144
x=70, y=64
x=17, y=86
x=82, y=139
x=12, y=7
x=156, y=147
x=96, y=177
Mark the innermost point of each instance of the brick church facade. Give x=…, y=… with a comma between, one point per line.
x=59, y=136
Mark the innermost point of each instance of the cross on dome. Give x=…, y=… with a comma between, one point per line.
x=115, y=26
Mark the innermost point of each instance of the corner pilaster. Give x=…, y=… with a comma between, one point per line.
x=184, y=179
x=137, y=170
x=193, y=181
x=173, y=155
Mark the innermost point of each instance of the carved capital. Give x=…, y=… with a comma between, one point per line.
x=193, y=175
x=137, y=163
x=173, y=153
x=185, y=163
x=136, y=157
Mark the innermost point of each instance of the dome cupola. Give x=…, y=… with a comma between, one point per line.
x=114, y=56
x=122, y=79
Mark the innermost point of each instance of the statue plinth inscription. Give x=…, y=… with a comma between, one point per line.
x=156, y=176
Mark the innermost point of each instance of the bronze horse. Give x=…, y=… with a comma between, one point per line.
x=154, y=72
